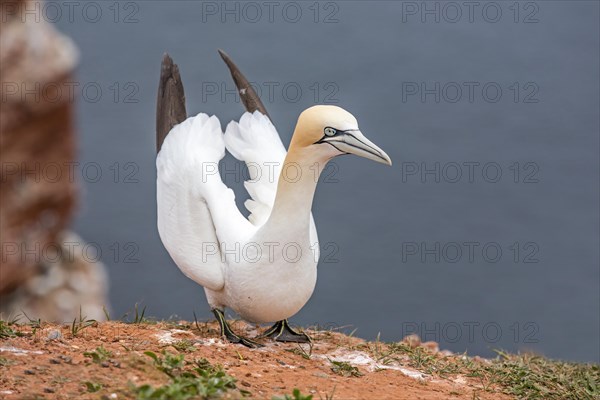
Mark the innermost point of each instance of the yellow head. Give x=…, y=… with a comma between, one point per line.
x=332, y=131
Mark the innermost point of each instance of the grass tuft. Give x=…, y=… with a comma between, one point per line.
x=203, y=381
x=98, y=355
x=184, y=345
x=92, y=387
x=525, y=376
x=533, y=377
x=301, y=351
x=6, y=330
x=343, y=368
x=81, y=323
x=296, y=395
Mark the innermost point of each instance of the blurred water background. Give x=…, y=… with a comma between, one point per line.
x=518, y=95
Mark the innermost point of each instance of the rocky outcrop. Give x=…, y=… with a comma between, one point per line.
x=38, y=190
x=66, y=285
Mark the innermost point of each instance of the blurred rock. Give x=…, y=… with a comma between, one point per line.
x=434, y=347
x=48, y=295
x=54, y=335
x=36, y=139
x=38, y=190
x=412, y=340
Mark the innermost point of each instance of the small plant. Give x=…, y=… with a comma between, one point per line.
x=106, y=313
x=328, y=396
x=302, y=352
x=92, y=387
x=184, y=345
x=4, y=362
x=98, y=355
x=6, y=331
x=296, y=395
x=34, y=323
x=79, y=324
x=204, y=381
x=205, y=365
x=169, y=364
x=139, y=316
x=344, y=369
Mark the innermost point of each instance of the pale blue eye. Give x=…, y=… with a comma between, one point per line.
x=330, y=131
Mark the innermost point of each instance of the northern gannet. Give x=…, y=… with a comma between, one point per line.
x=263, y=267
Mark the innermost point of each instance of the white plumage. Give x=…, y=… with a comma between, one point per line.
x=206, y=235
x=264, y=267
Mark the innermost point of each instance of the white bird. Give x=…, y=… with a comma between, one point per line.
x=263, y=267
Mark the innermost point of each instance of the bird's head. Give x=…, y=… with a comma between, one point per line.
x=332, y=131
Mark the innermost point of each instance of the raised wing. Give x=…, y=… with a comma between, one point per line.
x=255, y=141
x=196, y=211
x=185, y=223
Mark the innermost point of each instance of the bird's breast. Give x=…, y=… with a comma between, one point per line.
x=272, y=281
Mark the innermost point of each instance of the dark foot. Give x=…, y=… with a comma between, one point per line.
x=282, y=332
x=230, y=335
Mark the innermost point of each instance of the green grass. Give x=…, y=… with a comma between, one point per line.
x=343, y=368
x=524, y=376
x=6, y=330
x=98, y=355
x=139, y=316
x=203, y=381
x=184, y=345
x=301, y=351
x=4, y=362
x=81, y=323
x=296, y=395
x=92, y=387
x=533, y=377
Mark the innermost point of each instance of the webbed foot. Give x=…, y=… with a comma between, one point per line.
x=231, y=336
x=282, y=332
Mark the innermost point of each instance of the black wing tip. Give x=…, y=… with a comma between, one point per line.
x=170, y=104
x=168, y=68
x=248, y=95
x=233, y=69
x=166, y=58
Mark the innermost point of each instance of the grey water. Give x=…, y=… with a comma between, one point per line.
x=485, y=232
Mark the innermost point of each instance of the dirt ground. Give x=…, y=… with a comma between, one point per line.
x=48, y=362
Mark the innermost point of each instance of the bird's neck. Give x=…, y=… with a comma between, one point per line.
x=295, y=191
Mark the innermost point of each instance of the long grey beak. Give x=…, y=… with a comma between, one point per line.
x=354, y=142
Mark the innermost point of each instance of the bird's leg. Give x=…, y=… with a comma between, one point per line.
x=283, y=332
x=229, y=334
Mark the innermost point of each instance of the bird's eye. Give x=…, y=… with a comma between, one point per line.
x=330, y=131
